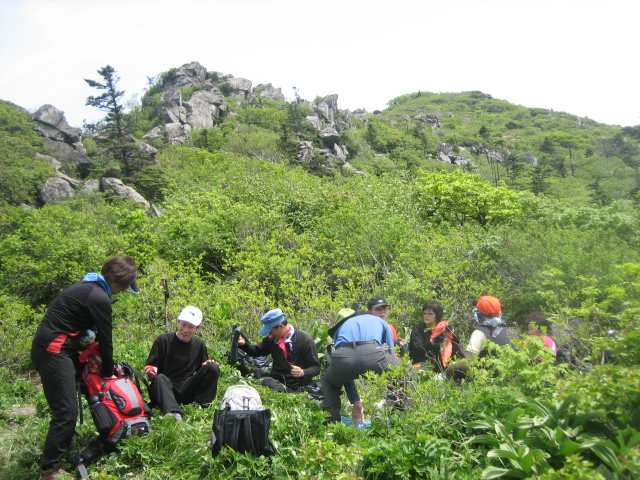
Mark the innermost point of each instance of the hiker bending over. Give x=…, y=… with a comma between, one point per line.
x=433, y=343
x=363, y=343
x=79, y=315
x=179, y=367
x=294, y=353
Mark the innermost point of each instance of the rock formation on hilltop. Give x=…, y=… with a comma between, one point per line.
x=178, y=117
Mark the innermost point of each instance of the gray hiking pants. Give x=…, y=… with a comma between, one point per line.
x=348, y=362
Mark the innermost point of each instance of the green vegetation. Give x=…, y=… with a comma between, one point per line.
x=246, y=228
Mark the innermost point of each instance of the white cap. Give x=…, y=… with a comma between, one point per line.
x=192, y=315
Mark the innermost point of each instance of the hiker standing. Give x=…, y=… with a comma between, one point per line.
x=363, y=343
x=77, y=316
x=179, y=367
x=294, y=353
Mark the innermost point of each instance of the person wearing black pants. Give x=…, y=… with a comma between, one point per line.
x=180, y=369
x=77, y=316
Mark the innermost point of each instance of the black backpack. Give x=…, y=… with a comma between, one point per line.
x=258, y=367
x=242, y=424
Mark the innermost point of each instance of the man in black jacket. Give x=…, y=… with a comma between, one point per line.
x=179, y=367
x=294, y=353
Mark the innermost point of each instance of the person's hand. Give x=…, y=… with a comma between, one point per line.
x=151, y=372
x=297, y=371
x=110, y=378
x=241, y=340
x=209, y=361
x=357, y=414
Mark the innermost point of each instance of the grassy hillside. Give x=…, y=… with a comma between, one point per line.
x=246, y=228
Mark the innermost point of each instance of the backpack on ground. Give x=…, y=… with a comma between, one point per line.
x=117, y=408
x=258, y=367
x=242, y=423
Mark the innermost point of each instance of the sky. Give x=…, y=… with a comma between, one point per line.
x=576, y=56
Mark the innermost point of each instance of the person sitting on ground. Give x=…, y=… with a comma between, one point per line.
x=363, y=343
x=537, y=325
x=180, y=369
x=379, y=307
x=294, y=353
x=430, y=348
x=491, y=329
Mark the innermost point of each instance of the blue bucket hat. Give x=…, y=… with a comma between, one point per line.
x=271, y=319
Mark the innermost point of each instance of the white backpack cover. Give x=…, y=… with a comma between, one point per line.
x=241, y=397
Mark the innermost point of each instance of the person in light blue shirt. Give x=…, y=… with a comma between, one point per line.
x=363, y=343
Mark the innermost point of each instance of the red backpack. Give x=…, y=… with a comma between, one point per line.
x=117, y=408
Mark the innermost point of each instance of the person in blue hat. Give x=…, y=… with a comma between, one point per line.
x=294, y=353
x=78, y=316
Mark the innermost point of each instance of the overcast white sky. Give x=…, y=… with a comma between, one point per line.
x=577, y=56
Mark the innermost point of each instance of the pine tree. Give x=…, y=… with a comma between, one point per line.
x=109, y=101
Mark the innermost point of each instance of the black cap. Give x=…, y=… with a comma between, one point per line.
x=376, y=302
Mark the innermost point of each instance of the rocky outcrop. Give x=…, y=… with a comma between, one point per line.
x=446, y=155
x=178, y=117
x=61, y=140
x=488, y=152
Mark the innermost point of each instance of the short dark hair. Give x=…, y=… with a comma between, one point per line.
x=120, y=271
x=538, y=318
x=435, y=306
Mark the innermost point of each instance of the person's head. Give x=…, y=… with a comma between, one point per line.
x=121, y=273
x=537, y=323
x=378, y=306
x=189, y=322
x=431, y=313
x=488, y=306
x=274, y=323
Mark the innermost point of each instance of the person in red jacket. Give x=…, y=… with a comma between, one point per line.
x=77, y=316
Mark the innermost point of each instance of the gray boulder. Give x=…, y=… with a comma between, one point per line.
x=175, y=133
x=203, y=107
x=314, y=121
x=171, y=109
x=115, y=185
x=187, y=75
x=60, y=139
x=329, y=136
x=90, y=186
x=305, y=152
x=327, y=109
x=55, y=190
x=528, y=157
x=268, y=91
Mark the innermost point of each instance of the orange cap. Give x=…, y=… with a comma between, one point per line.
x=489, y=306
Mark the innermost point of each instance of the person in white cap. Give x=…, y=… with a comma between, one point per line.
x=179, y=367
x=294, y=353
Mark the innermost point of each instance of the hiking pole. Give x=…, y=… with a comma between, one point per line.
x=166, y=304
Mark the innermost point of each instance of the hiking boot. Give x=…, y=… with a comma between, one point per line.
x=55, y=472
x=175, y=415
